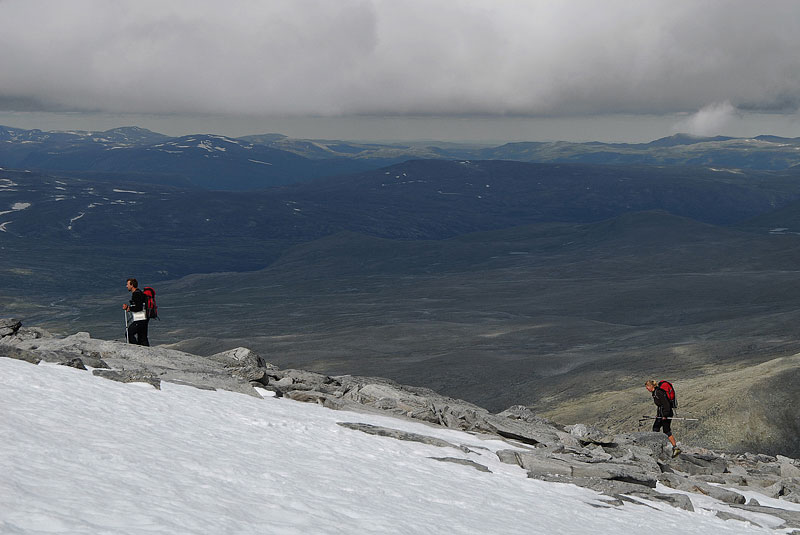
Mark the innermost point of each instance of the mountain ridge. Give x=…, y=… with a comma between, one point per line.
x=137, y=150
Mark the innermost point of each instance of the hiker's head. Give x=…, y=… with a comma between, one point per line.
x=650, y=385
x=132, y=284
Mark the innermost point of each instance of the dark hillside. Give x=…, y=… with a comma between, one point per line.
x=51, y=221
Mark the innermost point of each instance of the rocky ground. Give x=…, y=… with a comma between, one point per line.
x=624, y=466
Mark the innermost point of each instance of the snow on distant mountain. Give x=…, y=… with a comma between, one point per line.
x=128, y=135
x=202, y=160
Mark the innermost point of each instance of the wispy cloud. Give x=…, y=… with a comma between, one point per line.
x=710, y=120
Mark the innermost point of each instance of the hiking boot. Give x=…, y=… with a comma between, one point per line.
x=675, y=452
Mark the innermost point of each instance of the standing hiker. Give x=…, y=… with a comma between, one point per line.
x=137, y=329
x=664, y=414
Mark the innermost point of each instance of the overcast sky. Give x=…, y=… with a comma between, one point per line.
x=508, y=67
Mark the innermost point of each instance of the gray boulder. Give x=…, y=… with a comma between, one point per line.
x=540, y=465
x=542, y=462
x=690, y=484
x=587, y=434
x=162, y=363
x=791, y=491
x=312, y=396
x=679, y=501
x=400, y=435
x=616, y=472
x=525, y=427
x=244, y=364
x=638, y=455
x=788, y=467
x=288, y=380
x=418, y=403
x=12, y=331
x=20, y=354
x=620, y=490
x=594, y=454
x=74, y=362
x=466, y=462
x=791, y=518
x=129, y=376
x=9, y=326
x=655, y=442
x=695, y=464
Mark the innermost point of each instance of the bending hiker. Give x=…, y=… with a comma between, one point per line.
x=137, y=329
x=664, y=414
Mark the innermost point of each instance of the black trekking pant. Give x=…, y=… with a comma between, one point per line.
x=662, y=424
x=137, y=333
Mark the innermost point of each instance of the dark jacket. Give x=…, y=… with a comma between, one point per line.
x=137, y=300
x=662, y=402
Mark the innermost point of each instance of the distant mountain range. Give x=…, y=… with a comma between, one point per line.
x=135, y=154
x=762, y=152
x=257, y=162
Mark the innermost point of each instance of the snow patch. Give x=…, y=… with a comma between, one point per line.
x=16, y=207
x=71, y=221
x=207, y=145
x=734, y=171
x=128, y=191
x=259, y=161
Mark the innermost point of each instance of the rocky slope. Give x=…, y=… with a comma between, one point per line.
x=623, y=465
x=744, y=407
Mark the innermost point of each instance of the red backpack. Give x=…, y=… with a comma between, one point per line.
x=666, y=386
x=150, y=302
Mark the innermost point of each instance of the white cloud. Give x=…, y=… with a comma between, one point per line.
x=286, y=57
x=710, y=120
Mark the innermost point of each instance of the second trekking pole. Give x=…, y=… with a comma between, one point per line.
x=644, y=418
x=126, y=326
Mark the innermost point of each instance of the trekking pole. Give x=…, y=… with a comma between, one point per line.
x=126, y=325
x=643, y=418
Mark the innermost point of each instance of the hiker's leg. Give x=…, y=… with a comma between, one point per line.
x=668, y=431
x=143, y=334
x=672, y=441
x=132, y=333
x=657, y=425
x=135, y=332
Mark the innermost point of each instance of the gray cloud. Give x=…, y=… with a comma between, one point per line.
x=306, y=57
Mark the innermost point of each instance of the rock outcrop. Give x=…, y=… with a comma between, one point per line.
x=625, y=466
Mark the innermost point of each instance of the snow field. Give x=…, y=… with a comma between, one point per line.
x=80, y=454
